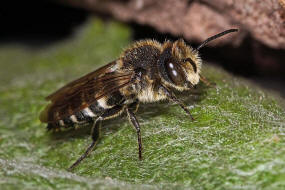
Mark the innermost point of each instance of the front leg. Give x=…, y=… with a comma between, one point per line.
x=173, y=98
x=206, y=82
x=132, y=118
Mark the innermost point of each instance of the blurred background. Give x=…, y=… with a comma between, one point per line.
x=256, y=52
x=237, y=140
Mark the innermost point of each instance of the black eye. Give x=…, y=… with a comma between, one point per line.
x=175, y=73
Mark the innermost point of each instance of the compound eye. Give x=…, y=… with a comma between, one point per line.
x=175, y=73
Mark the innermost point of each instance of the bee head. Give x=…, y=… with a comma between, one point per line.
x=179, y=65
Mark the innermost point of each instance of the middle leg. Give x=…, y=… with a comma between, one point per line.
x=132, y=118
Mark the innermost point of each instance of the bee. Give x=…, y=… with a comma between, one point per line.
x=146, y=72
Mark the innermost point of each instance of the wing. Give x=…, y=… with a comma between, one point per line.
x=82, y=92
x=81, y=81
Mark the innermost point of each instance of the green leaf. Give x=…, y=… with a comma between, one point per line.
x=236, y=141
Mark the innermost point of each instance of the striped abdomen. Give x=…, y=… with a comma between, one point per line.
x=84, y=116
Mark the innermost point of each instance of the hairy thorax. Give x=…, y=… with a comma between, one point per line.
x=148, y=94
x=148, y=90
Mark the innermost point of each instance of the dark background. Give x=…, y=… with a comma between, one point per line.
x=39, y=24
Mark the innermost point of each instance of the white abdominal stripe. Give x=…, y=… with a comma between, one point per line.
x=81, y=117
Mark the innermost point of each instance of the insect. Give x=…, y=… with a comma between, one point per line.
x=147, y=71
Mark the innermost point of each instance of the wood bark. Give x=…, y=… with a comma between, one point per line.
x=262, y=20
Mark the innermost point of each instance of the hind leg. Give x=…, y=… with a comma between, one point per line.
x=96, y=131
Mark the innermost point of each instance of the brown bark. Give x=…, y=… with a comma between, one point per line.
x=196, y=20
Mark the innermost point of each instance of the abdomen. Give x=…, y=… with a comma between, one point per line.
x=82, y=116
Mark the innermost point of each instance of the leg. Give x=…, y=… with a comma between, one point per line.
x=172, y=97
x=206, y=82
x=95, y=131
x=134, y=106
x=135, y=123
x=95, y=134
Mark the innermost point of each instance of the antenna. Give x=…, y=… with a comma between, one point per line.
x=215, y=37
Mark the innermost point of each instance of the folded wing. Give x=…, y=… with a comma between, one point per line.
x=82, y=92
